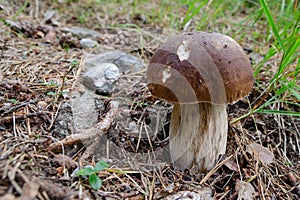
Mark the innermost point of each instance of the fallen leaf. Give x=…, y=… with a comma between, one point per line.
x=8, y=197
x=260, y=153
x=231, y=165
x=61, y=160
x=50, y=37
x=245, y=191
x=1, y=75
x=205, y=193
x=292, y=178
x=30, y=190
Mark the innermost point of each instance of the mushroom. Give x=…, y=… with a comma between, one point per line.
x=200, y=73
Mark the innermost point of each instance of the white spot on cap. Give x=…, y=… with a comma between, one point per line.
x=183, y=50
x=166, y=74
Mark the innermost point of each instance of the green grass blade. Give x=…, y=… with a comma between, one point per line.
x=280, y=112
x=290, y=55
x=271, y=22
x=292, y=87
x=21, y=9
x=193, y=10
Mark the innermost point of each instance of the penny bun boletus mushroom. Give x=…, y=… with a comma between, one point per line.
x=200, y=73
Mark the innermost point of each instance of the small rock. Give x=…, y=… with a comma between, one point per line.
x=81, y=32
x=205, y=193
x=81, y=112
x=124, y=61
x=101, y=78
x=88, y=43
x=84, y=110
x=48, y=15
x=133, y=127
x=64, y=121
x=246, y=191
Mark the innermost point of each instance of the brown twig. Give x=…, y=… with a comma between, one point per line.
x=9, y=119
x=211, y=172
x=19, y=106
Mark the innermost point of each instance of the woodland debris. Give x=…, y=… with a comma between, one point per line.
x=97, y=130
x=260, y=153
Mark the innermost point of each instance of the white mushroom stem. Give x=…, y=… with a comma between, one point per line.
x=198, y=135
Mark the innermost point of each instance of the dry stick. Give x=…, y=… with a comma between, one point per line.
x=139, y=188
x=78, y=72
x=14, y=124
x=157, y=126
x=30, y=188
x=150, y=143
x=140, y=134
x=46, y=195
x=56, y=114
x=40, y=197
x=152, y=187
x=211, y=172
x=159, y=176
x=19, y=106
x=36, y=13
x=106, y=194
x=125, y=195
x=224, y=195
x=12, y=175
x=15, y=117
x=28, y=122
x=97, y=130
x=5, y=170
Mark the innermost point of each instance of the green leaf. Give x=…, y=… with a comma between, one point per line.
x=74, y=62
x=51, y=93
x=88, y=171
x=80, y=172
x=101, y=165
x=14, y=101
x=95, y=181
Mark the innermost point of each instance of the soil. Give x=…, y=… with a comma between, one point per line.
x=39, y=60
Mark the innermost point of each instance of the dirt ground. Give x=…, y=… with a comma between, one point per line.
x=38, y=60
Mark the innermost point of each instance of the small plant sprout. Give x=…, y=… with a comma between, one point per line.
x=91, y=172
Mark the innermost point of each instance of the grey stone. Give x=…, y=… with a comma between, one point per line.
x=124, y=61
x=48, y=15
x=81, y=112
x=133, y=127
x=88, y=43
x=205, y=193
x=82, y=32
x=84, y=111
x=64, y=120
x=101, y=78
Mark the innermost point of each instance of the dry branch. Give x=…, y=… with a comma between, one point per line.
x=9, y=119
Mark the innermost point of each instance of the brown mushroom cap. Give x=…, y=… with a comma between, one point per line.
x=200, y=67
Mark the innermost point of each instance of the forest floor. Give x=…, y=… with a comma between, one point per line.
x=38, y=60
